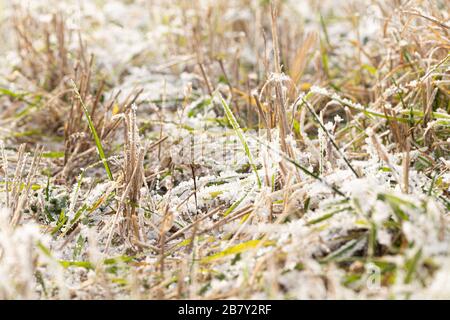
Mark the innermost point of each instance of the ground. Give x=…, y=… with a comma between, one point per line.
x=251, y=149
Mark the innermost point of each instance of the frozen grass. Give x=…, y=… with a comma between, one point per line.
x=224, y=149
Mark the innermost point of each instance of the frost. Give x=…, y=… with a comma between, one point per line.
x=316, y=223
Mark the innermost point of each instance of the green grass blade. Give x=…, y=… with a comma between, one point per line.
x=239, y=133
x=97, y=140
x=239, y=248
